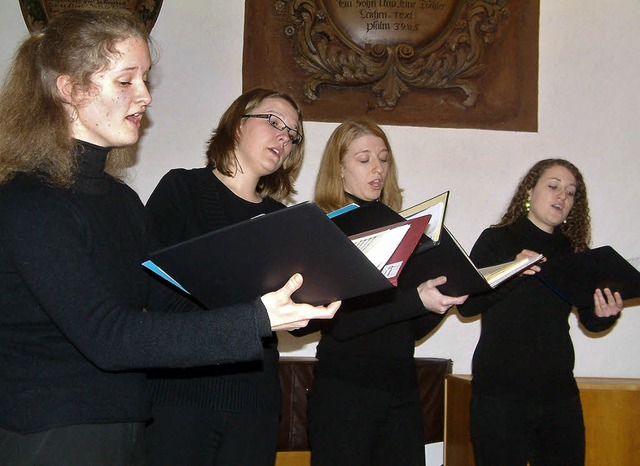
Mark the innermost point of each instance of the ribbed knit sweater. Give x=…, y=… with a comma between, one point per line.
x=525, y=349
x=184, y=205
x=73, y=295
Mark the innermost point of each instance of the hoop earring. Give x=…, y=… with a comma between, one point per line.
x=74, y=115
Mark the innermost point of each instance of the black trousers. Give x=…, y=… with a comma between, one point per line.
x=196, y=437
x=354, y=425
x=512, y=433
x=77, y=445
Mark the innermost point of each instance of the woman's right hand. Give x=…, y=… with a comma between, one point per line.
x=285, y=314
x=435, y=301
x=535, y=268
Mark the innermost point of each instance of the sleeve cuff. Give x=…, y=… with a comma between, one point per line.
x=262, y=319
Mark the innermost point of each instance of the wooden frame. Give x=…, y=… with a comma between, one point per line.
x=441, y=63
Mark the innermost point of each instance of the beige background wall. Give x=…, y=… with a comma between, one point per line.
x=588, y=112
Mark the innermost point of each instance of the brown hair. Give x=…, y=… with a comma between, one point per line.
x=222, y=144
x=578, y=223
x=329, y=190
x=34, y=125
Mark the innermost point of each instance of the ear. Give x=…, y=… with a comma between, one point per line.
x=65, y=88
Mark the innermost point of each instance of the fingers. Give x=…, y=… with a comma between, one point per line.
x=435, y=301
x=297, y=311
x=284, y=314
x=534, y=269
x=606, y=303
x=292, y=285
x=291, y=325
x=436, y=281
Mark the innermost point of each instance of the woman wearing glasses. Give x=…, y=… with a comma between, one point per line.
x=226, y=414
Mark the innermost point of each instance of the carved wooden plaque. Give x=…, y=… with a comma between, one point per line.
x=37, y=13
x=440, y=63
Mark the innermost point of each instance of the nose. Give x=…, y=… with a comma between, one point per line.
x=144, y=96
x=283, y=136
x=377, y=166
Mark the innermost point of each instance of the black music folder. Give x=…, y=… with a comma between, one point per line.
x=444, y=257
x=248, y=259
x=451, y=260
x=575, y=277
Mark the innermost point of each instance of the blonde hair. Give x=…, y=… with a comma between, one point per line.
x=329, y=190
x=35, y=131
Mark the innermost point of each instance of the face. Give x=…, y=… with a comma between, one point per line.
x=365, y=166
x=110, y=113
x=552, y=198
x=262, y=149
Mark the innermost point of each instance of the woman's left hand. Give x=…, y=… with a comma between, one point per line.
x=606, y=303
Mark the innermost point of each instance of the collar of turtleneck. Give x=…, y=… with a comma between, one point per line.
x=541, y=241
x=91, y=178
x=357, y=200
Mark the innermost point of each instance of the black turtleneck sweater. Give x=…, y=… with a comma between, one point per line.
x=524, y=350
x=371, y=340
x=73, y=296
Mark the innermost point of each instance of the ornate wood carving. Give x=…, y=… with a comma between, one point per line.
x=457, y=63
x=421, y=51
x=37, y=13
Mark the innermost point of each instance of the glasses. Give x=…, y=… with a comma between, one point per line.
x=277, y=123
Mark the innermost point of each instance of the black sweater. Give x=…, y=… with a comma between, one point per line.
x=371, y=339
x=72, y=301
x=525, y=349
x=184, y=205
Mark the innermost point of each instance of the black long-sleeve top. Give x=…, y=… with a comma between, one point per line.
x=525, y=349
x=73, y=295
x=184, y=205
x=371, y=339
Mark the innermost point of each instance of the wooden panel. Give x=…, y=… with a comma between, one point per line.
x=611, y=414
x=457, y=441
x=612, y=420
x=293, y=458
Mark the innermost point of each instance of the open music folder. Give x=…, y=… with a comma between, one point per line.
x=246, y=260
x=444, y=257
x=575, y=277
x=451, y=260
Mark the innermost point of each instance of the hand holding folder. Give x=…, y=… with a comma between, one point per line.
x=575, y=277
x=441, y=255
x=248, y=259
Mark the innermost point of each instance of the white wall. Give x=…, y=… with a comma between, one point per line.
x=588, y=112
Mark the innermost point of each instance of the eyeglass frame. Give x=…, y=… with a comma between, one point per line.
x=269, y=117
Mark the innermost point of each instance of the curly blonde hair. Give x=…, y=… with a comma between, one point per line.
x=35, y=134
x=329, y=190
x=577, y=227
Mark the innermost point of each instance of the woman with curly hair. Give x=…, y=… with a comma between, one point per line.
x=525, y=405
